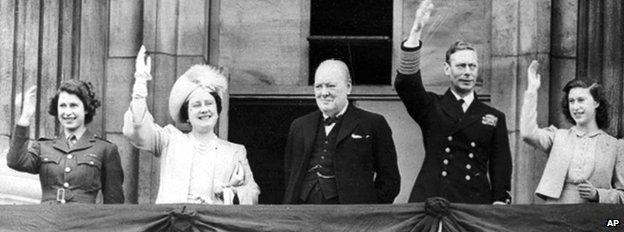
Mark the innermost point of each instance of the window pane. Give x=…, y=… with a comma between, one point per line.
x=351, y=17
x=356, y=32
x=369, y=63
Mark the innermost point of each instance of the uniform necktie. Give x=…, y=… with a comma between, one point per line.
x=71, y=141
x=460, y=102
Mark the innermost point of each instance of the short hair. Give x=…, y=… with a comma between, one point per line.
x=597, y=92
x=184, y=108
x=455, y=47
x=83, y=90
x=337, y=65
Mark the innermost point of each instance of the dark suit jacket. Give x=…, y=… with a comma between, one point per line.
x=365, y=160
x=467, y=160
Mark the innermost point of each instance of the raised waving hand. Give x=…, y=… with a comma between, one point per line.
x=29, y=106
x=423, y=14
x=143, y=67
x=533, y=76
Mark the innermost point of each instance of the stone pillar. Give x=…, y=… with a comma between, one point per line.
x=600, y=52
x=520, y=33
x=562, y=54
x=176, y=35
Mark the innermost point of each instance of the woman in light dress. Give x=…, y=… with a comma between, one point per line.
x=196, y=167
x=585, y=164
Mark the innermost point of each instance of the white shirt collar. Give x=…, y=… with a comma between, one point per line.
x=339, y=113
x=467, y=99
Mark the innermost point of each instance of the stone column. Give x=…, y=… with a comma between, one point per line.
x=600, y=52
x=520, y=33
x=562, y=54
x=176, y=35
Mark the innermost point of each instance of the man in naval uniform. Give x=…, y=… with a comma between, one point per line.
x=467, y=156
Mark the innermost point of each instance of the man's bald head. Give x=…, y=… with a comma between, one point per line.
x=332, y=84
x=334, y=68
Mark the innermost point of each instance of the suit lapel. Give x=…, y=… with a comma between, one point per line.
x=308, y=131
x=349, y=121
x=310, y=128
x=472, y=115
x=450, y=106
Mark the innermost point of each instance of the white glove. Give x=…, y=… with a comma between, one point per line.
x=533, y=76
x=29, y=105
x=141, y=74
x=228, y=196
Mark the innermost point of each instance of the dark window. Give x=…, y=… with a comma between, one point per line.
x=358, y=32
x=262, y=126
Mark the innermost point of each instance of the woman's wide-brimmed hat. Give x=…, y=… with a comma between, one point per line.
x=203, y=77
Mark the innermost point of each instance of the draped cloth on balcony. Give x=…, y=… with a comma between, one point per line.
x=400, y=217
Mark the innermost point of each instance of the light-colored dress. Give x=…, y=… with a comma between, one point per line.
x=191, y=171
x=574, y=156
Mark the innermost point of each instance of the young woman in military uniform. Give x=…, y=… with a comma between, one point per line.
x=77, y=164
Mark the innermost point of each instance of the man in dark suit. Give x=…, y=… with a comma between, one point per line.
x=467, y=156
x=340, y=154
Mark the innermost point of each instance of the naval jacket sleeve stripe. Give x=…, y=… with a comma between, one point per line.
x=409, y=59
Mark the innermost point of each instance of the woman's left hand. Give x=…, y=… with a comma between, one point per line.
x=588, y=191
x=534, y=78
x=143, y=65
x=141, y=75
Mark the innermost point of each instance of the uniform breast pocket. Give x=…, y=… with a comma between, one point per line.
x=50, y=168
x=50, y=159
x=89, y=168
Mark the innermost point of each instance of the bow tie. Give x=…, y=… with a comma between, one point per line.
x=330, y=120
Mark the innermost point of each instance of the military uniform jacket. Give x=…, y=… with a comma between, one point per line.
x=73, y=175
x=365, y=162
x=467, y=156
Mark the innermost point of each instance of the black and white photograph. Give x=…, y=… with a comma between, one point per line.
x=312, y=115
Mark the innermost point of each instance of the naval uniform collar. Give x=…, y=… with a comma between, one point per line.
x=468, y=99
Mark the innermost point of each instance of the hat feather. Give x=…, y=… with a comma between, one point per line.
x=208, y=77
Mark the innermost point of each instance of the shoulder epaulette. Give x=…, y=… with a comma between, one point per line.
x=45, y=139
x=100, y=138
